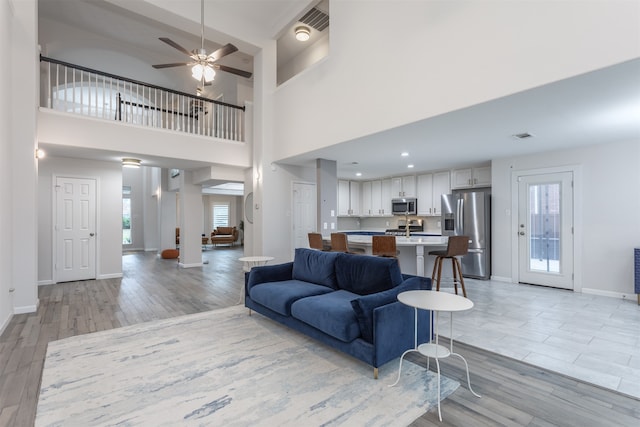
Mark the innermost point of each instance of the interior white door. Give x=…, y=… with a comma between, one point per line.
x=304, y=213
x=75, y=229
x=545, y=229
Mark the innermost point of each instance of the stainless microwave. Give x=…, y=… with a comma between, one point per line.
x=406, y=206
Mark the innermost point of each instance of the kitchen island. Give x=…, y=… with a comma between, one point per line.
x=412, y=251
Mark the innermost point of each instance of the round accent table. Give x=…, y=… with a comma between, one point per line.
x=436, y=302
x=248, y=263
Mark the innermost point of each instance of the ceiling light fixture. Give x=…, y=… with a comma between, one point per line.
x=404, y=154
x=40, y=153
x=302, y=33
x=410, y=166
x=130, y=163
x=202, y=69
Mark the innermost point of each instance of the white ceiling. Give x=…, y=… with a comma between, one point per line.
x=599, y=107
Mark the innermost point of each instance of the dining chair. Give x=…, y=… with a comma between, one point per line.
x=384, y=246
x=456, y=246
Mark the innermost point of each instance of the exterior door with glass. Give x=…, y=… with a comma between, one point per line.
x=545, y=229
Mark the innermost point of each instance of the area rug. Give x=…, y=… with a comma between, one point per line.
x=223, y=368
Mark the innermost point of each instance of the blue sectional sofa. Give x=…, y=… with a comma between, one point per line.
x=346, y=301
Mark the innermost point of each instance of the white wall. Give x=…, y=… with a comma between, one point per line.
x=393, y=63
x=607, y=210
x=6, y=224
x=109, y=203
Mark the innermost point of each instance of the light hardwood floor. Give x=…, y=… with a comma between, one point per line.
x=513, y=393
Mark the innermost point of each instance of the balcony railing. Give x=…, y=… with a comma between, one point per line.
x=80, y=90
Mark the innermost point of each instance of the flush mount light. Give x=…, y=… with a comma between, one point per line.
x=130, y=163
x=404, y=154
x=302, y=33
x=410, y=166
x=358, y=173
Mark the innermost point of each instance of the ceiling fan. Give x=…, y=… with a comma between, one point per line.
x=203, y=66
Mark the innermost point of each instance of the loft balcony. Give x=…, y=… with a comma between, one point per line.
x=81, y=107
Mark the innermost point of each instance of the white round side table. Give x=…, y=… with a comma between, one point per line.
x=248, y=263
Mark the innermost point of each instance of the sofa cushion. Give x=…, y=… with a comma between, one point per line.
x=365, y=305
x=278, y=296
x=315, y=267
x=331, y=313
x=364, y=274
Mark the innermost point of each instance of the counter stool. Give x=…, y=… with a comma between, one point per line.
x=339, y=242
x=457, y=246
x=384, y=246
x=315, y=241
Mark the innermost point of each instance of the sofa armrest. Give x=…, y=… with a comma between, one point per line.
x=268, y=273
x=393, y=331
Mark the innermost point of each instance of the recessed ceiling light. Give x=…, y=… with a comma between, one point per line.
x=409, y=166
x=358, y=173
x=523, y=135
x=404, y=154
x=302, y=33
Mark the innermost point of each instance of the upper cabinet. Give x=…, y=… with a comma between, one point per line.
x=431, y=187
x=348, y=198
x=403, y=186
x=471, y=177
x=376, y=198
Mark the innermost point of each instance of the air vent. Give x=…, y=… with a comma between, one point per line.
x=523, y=135
x=316, y=19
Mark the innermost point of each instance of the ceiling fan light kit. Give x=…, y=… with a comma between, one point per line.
x=302, y=33
x=203, y=66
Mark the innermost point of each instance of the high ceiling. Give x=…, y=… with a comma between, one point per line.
x=598, y=107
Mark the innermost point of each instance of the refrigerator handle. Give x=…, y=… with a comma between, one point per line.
x=459, y=218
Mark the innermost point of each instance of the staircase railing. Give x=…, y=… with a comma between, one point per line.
x=87, y=92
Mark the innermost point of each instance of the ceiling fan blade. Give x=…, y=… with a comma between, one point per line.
x=175, y=64
x=175, y=45
x=223, y=51
x=232, y=70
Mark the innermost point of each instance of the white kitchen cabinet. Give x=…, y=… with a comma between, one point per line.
x=425, y=194
x=386, y=195
x=431, y=187
x=344, y=205
x=348, y=198
x=441, y=185
x=471, y=177
x=367, y=209
x=376, y=198
x=403, y=186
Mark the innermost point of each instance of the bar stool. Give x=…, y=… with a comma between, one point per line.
x=457, y=246
x=384, y=246
x=339, y=243
x=315, y=241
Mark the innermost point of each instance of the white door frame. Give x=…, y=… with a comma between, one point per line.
x=54, y=217
x=577, y=219
x=293, y=216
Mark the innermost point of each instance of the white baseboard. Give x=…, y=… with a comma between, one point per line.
x=109, y=276
x=151, y=249
x=619, y=295
x=501, y=279
x=46, y=282
x=5, y=323
x=26, y=308
x=182, y=265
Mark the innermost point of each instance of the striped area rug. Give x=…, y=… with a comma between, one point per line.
x=222, y=368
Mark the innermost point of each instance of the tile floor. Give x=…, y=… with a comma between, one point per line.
x=590, y=337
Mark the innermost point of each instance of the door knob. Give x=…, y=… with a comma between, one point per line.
x=521, y=233
x=92, y=234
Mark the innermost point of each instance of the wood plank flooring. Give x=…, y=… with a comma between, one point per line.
x=513, y=393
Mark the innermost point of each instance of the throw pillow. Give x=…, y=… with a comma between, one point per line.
x=365, y=305
x=316, y=267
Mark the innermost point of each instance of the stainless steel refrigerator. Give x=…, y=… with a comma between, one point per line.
x=468, y=213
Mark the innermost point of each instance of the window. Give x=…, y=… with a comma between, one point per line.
x=126, y=215
x=220, y=215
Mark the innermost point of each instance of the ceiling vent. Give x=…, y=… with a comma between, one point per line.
x=524, y=135
x=316, y=19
